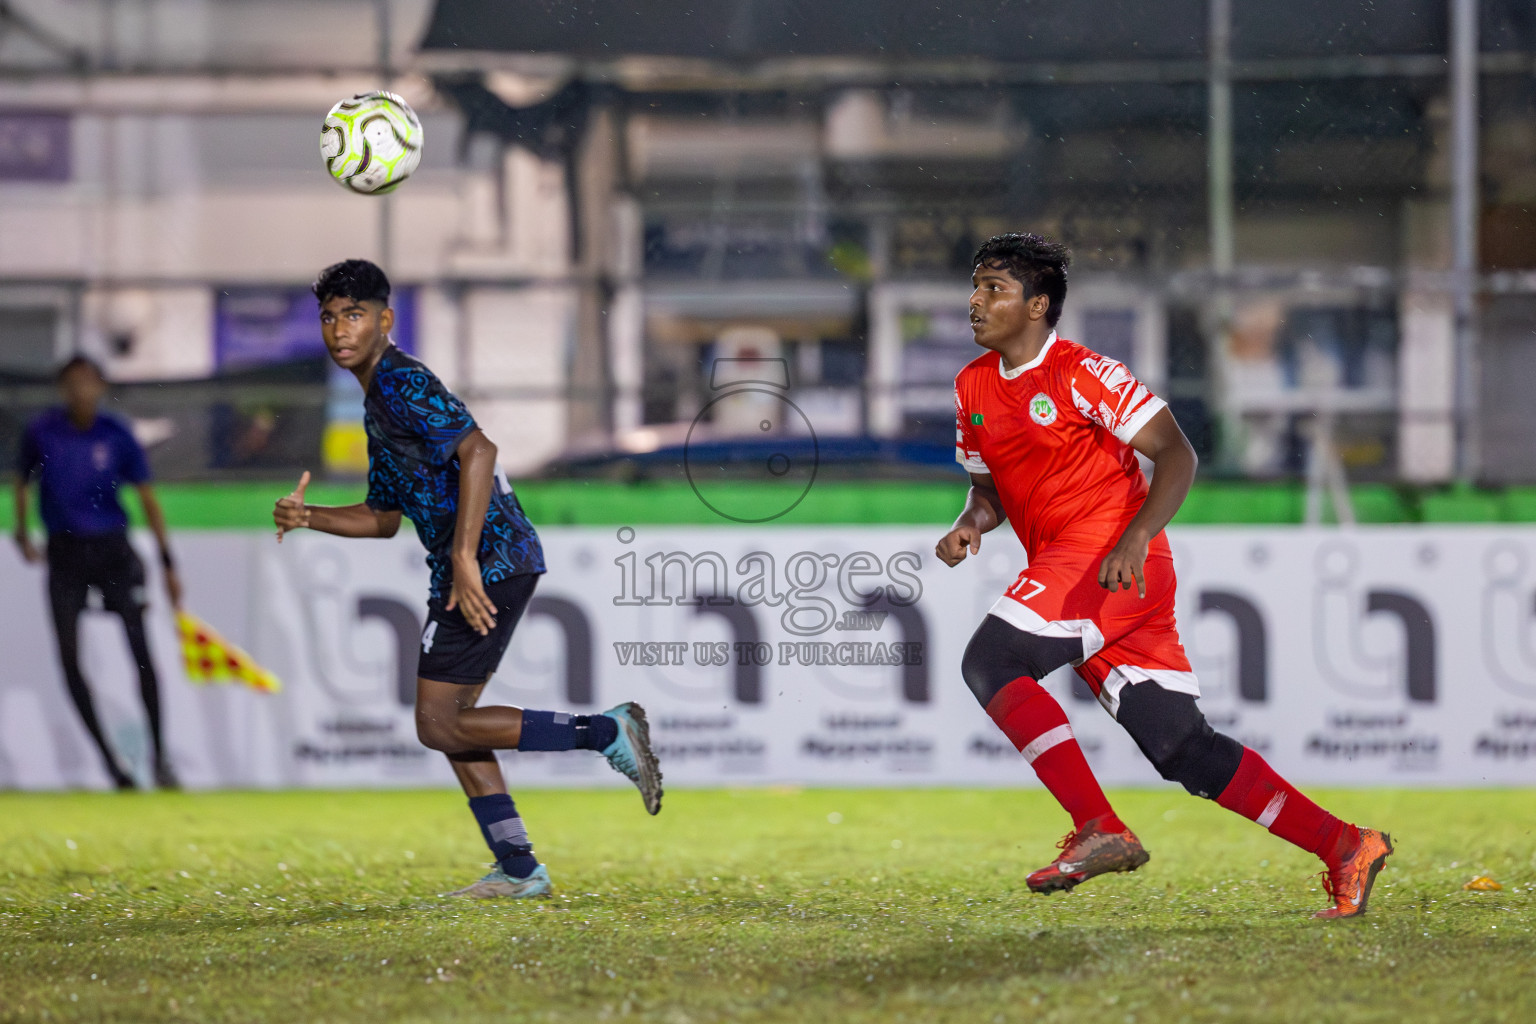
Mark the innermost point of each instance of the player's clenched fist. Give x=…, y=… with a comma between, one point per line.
x=290, y=512
x=955, y=544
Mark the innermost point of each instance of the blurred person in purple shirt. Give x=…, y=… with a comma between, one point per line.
x=80, y=456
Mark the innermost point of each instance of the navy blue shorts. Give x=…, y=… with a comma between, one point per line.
x=451, y=650
x=104, y=562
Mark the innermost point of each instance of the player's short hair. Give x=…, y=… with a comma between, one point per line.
x=74, y=363
x=359, y=280
x=1036, y=262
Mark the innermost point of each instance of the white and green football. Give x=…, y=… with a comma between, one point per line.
x=371, y=142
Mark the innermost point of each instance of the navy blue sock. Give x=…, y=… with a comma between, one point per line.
x=556, y=730
x=504, y=833
x=599, y=731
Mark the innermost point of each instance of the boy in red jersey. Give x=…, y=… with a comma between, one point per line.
x=1049, y=432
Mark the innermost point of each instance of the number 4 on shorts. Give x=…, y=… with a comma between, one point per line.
x=428, y=636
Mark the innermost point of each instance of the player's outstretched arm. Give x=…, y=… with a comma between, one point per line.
x=291, y=513
x=477, y=469
x=983, y=512
x=1174, y=462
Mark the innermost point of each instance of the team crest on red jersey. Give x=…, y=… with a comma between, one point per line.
x=1068, y=479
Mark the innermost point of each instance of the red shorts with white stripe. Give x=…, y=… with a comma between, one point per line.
x=1126, y=638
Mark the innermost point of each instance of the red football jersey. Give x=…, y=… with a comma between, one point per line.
x=1055, y=436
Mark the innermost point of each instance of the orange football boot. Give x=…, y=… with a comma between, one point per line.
x=1087, y=852
x=1349, y=881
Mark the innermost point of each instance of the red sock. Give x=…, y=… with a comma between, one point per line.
x=1036, y=725
x=1258, y=793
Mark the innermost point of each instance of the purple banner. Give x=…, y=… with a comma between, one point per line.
x=258, y=326
x=34, y=146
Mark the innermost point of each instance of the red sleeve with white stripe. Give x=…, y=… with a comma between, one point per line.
x=967, y=450
x=1104, y=391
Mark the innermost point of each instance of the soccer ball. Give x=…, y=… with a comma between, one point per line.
x=371, y=142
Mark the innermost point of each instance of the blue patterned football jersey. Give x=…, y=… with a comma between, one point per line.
x=414, y=427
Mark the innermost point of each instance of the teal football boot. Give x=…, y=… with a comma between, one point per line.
x=499, y=884
x=631, y=755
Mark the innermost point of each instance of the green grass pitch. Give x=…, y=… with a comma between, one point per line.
x=757, y=905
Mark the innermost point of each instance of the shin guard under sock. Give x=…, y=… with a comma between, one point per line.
x=557, y=730
x=504, y=833
x=1037, y=726
x=1258, y=793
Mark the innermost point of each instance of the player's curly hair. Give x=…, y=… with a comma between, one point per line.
x=74, y=363
x=1036, y=262
x=352, y=279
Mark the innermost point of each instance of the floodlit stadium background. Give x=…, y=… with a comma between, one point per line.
x=636, y=239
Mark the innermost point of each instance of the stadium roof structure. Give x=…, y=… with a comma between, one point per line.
x=1368, y=70
x=908, y=34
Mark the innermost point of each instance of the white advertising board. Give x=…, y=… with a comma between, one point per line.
x=826, y=656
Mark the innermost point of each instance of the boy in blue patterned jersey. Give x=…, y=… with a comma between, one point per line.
x=428, y=461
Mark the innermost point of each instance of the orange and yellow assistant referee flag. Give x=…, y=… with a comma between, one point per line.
x=209, y=658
